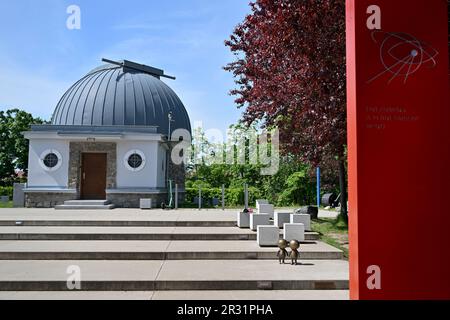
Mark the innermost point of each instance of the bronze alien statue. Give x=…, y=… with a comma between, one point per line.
x=282, y=253
x=294, y=245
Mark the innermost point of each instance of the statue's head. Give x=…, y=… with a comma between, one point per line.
x=282, y=244
x=294, y=244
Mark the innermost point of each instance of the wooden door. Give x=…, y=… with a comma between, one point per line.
x=93, y=176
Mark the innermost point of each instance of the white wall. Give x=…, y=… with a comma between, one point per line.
x=37, y=175
x=151, y=176
x=148, y=177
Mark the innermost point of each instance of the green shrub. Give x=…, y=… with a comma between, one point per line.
x=6, y=191
x=298, y=191
x=233, y=196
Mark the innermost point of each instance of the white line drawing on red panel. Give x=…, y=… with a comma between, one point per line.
x=402, y=55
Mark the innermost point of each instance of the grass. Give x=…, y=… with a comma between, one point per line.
x=332, y=231
x=8, y=204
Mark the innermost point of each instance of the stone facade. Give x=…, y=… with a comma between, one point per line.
x=47, y=199
x=78, y=148
x=176, y=173
x=132, y=200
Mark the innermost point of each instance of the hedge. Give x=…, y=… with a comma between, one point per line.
x=6, y=191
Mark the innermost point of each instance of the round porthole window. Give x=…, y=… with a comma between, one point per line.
x=50, y=160
x=134, y=160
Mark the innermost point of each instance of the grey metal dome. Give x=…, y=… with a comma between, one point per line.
x=122, y=94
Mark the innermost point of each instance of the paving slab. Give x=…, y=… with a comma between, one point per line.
x=117, y=217
x=178, y=295
x=252, y=295
x=76, y=295
x=120, y=216
x=41, y=275
x=12, y=212
x=317, y=270
x=154, y=250
x=55, y=270
x=117, y=214
x=130, y=233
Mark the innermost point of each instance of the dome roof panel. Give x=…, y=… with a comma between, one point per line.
x=124, y=96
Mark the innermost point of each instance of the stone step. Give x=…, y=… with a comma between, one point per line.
x=118, y=217
x=85, y=207
x=131, y=233
x=174, y=275
x=87, y=202
x=116, y=223
x=179, y=295
x=154, y=250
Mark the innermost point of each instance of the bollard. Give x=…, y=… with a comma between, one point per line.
x=170, y=194
x=318, y=187
x=246, y=196
x=176, y=196
x=223, y=197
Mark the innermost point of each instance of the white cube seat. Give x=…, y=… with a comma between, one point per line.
x=268, y=236
x=266, y=208
x=243, y=220
x=259, y=219
x=280, y=218
x=261, y=201
x=294, y=231
x=302, y=218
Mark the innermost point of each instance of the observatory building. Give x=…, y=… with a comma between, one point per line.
x=108, y=140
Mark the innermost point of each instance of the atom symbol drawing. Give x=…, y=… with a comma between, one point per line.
x=402, y=55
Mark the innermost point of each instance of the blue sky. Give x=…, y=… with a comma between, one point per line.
x=41, y=58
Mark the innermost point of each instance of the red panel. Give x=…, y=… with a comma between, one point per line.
x=399, y=149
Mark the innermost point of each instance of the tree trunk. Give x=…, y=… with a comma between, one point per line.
x=343, y=188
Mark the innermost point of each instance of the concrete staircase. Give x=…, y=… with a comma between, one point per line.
x=162, y=255
x=85, y=205
x=116, y=233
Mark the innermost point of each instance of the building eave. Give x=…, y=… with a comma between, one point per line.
x=93, y=136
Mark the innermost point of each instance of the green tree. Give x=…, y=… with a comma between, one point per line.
x=291, y=185
x=298, y=190
x=13, y=145
x=289, y=70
